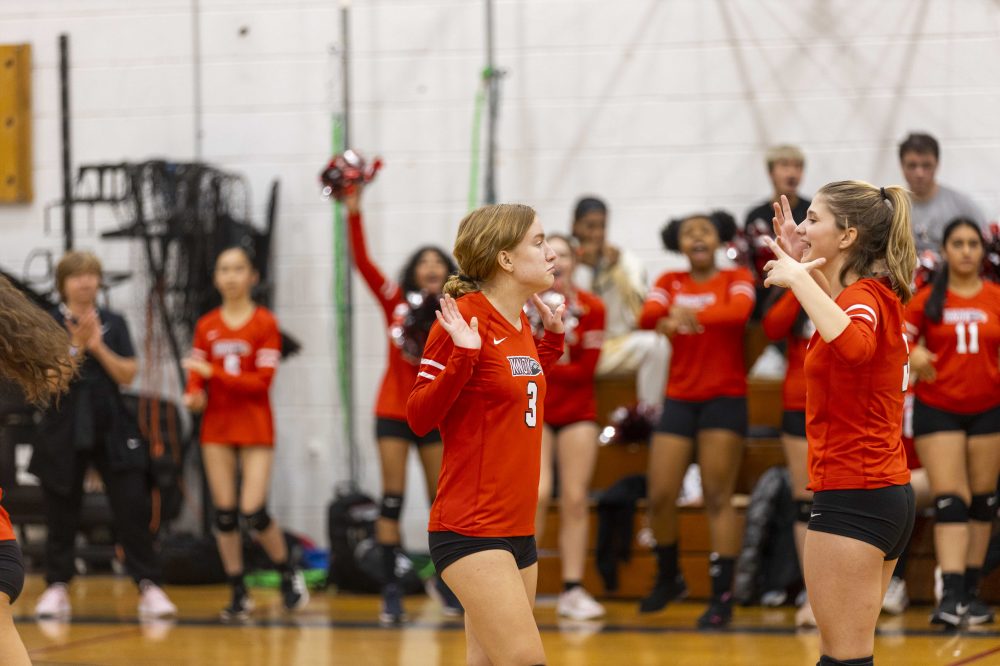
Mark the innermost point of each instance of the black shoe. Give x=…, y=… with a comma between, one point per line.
x=663, y=592
x=949, y=612
x=240, y=606
x=718, y=614
x=294, y=594
x=392, y=605
x=978, y=612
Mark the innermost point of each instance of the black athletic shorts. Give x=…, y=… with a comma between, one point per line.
x=401, y=430
x=928, y=420
x=882, y=517
x=449, y=547
x=11, y=569
x=793, y=423
x=687, y=418
x=557, y=428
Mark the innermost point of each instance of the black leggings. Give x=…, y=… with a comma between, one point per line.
x=131, y=507
x=11, y=569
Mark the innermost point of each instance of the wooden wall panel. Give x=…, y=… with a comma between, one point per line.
x=15, y=123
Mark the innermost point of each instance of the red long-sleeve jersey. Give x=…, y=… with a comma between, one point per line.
x=400, y=374
x=967, y=344
x=854, y=394
x=709, y=364
x=488, y=404
x=779, y=323
x=570, y=394
x=244, y=361
x=6, y=530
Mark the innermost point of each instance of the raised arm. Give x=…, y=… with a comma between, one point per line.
x=450, y=357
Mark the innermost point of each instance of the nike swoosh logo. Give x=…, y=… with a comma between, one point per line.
x=961, y=609
x=496, y=342
x=814, y=515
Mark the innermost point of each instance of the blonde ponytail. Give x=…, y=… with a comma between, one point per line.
x=900, y=251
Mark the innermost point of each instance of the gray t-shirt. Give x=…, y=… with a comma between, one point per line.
x=931, y=217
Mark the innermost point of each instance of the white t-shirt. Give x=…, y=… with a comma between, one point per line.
x=622, y=287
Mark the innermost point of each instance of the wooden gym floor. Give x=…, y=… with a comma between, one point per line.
x=342, y=630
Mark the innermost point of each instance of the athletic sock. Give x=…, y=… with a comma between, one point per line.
x=953, y=585
x=236, y=580
x=389, y=563
x=721, y=570
x=666, y=561
x=860, y=661
x=570, y=584
x=972, y=576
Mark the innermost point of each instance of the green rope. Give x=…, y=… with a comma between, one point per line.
x=340, y=268
x=477, y=122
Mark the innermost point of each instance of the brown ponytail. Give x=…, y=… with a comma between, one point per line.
x=482, y=235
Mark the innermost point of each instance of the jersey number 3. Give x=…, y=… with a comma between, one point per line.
x=531, y=414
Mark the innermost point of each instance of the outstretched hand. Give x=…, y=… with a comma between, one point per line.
x=783, y=270
x=552, y=321
x=464, y=335
x=784, y=229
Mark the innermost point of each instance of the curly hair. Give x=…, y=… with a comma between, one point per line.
x=34, y=348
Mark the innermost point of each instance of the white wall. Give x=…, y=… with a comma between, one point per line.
x=661, y=107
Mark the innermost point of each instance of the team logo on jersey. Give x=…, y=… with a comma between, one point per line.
x=694, y=301
x=230, y=347
x=524, y=366
x=963, y=316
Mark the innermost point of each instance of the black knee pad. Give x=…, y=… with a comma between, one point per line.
x=227, y=520
x=259, y=520
x=983, y=507
x=803, y=510
x=392, y=506
x=950, y=509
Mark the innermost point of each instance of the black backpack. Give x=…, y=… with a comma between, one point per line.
x=355, y=560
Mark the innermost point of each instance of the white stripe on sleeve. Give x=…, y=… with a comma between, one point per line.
x=433, y=364
x=426, y=375
x=862, y=311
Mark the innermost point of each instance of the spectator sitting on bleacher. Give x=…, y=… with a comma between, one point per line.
x=616, y=277
x=704, y=312
x=91, y=426
x=933, y=205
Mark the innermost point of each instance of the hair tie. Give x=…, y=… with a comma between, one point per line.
x=882, y=192
x=465, y=278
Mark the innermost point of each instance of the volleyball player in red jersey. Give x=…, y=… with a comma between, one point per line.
x=482, y=381
x=422, y=278
x=38, y=357
x=785, y=320
x=954, y=324
x=570, y=431
x=858, y=252
x=235, y=354
x=704, y=313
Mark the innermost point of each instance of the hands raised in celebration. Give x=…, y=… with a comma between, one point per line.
x=783, y=270
x=784, y=229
